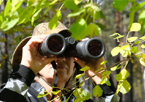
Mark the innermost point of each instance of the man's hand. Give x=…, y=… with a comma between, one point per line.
x=94, y=66
x=31, y=57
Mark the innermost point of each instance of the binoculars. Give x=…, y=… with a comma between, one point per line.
x=56, y=45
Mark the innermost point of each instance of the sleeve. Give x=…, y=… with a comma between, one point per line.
x=109, y=93
x=15, y=90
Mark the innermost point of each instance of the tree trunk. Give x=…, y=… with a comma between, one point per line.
x=4, y=51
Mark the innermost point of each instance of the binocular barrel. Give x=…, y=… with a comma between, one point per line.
x=55, y=44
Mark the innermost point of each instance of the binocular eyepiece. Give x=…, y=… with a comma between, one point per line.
x=55, y=44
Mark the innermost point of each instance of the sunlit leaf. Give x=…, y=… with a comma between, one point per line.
x=103, y=62
x=142, y=38
x=81, y=95
x=135, y=27
x=77, y=28
x=77, y=1
x=132, y=39
x=122, y=75
x=100, y=69
x=92, y=30
x=119, y=86
x=97, y=91
x=8, y=24
x=7, y=8
x=114, y=34
x=143, y=46
x=142, y=61
x=85, y=68
x=16, y=4
x=79, y=75
x=114, y=68
x=35, y=16
x=126, y=87
x=45, y=93
x=54, y=21
x=115, y=51
x=56, y=92
x=76, y=13
x=124, y=47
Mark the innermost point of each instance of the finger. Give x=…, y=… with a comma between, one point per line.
x=80, y=62
x=48, y=60
x=36, y=39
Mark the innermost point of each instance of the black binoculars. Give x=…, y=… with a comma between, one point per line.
x=56, y=45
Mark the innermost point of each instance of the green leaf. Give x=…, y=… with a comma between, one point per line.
x=103, y=62
x=115, y=51
x=77, y=29
x=56, y=92
x=134, y=49
x=79, y=75
x=106, y=73
x=113, y=68
x=85, y=68
x=91, y=30
x=114, y=34
x=11, y=22
x=7, y=8
x=35, y=16
x=125, y=47
x=70, y=4
x=141, y=15
x=119, y=86
x=125, y=52
x=95, y=11
x=105, y=80
x=81, y=95
x=142, y=38
x=101, y=26
x=132, y=39
x=126, y=87
x=99, y=69
x=122, y=75
x=77, y=1
x=16, y=4
x=135, y=27
x=142, y=61
x=54, y=21
x=76, y=13
x=119, y=5
x=137, y=42
x=0, y=2
x=143, y=46
x=135, y=7
x=97, y=91
x=43, y=94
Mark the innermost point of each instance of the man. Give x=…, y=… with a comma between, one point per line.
x=51, y=71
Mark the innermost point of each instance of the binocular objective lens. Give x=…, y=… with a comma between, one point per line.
x=95, y=48
x=55, y=44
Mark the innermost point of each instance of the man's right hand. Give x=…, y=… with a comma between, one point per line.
x=31, y=57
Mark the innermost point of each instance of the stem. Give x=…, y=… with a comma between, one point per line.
x=127, y=36
x=61, y=6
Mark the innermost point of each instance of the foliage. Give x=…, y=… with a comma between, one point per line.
x=18, y=15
